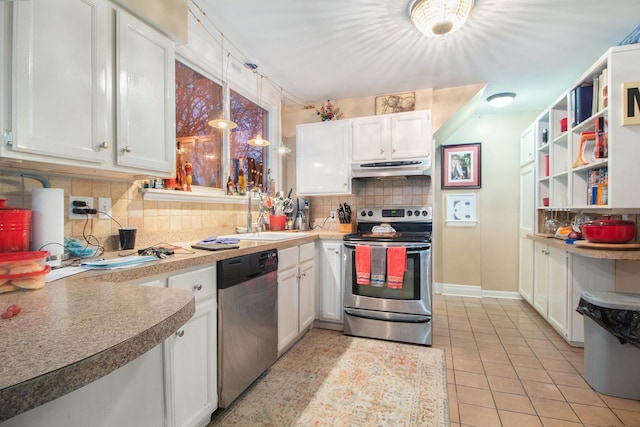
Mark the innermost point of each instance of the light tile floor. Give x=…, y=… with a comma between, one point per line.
x=506, y=366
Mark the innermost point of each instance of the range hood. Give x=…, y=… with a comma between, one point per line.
x=414, y=167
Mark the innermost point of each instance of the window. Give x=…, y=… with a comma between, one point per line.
x=198, y=100
x=251, y=120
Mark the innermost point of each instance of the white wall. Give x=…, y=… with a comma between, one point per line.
x=484, y=256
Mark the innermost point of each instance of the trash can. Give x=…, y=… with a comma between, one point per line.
x=612, y=342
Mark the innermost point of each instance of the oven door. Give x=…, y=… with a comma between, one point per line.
x=414, y=298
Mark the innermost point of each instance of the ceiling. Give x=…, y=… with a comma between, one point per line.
x=334, y=49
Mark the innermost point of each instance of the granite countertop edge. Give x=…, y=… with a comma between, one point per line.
x=45, y=385
x=612, y=254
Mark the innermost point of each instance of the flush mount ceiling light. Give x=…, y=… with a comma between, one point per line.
x=258, y=141
x=438, y=18
x=500, y=100
x=223, y=123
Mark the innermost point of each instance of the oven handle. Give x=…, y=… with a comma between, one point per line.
x=411, y=248
x=388, y=316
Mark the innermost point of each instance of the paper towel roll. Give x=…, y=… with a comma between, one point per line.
x=47, y=205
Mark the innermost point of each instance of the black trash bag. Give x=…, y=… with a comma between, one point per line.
x=623, y=324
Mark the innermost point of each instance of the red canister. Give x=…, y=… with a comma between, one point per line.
x=15, y=228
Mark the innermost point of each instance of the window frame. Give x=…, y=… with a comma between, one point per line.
x=204, y=58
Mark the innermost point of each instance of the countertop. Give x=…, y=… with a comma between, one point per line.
x=587, y=252
x=81, y=328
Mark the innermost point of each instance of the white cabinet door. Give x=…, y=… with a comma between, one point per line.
x=330, y=280
x=526, y=272
x=371, y=138
x=191, y=353
x=59, y=98
x=287, y=306
x=411, y=135
x=558, y=290
x=540, y=290
x=392, y=136
x=323, y=158
x=192, y=366
x=145, y=75
x=307, y=290
x=527, y=145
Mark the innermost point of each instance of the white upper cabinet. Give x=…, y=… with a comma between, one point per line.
x=59, y=99
x=323, y=158
x=145, y=96
x=92, y=90
x=399, y=136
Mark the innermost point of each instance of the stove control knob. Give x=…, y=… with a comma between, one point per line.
x=370, y=213
x=363, y=213
x=425, y=213
x=417, y=213
x=409, y=213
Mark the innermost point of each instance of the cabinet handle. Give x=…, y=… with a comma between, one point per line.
x=127, y=149
x=104, y=145
x=393, y=150
x=180, y=333
x=382, y=151
x=197, y=287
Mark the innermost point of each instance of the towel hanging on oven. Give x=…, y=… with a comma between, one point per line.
x=396, y=266
x=378, y=266
x=363, y=265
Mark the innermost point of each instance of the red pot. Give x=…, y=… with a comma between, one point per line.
x=15, y=228
x=609, y=231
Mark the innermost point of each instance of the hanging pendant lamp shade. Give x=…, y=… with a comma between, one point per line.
x=281, y=148
x=438, y=18
x=258, y=141
x=222, y=122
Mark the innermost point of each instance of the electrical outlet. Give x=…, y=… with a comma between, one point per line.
x=332, y=215
x=104, y=208
x=88, y=203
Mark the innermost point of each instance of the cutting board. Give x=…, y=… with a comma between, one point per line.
x=214, y=246
x=607, y=246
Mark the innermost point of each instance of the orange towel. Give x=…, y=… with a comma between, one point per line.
x=363, y=265
x=396, y=266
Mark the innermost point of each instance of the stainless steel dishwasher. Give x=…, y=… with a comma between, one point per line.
x=247, y=321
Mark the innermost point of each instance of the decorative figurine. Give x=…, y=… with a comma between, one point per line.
x=188, y=167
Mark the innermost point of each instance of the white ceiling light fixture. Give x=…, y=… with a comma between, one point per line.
x=222, y=122
x=258, y=141
x=500, y=100
x=438, y=18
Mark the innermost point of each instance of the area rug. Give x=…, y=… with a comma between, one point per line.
x=330, y=379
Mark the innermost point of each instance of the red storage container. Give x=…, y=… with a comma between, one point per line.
x=15, y=228
x=609, y=231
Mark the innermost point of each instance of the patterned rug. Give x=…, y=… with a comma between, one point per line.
x=330, y=379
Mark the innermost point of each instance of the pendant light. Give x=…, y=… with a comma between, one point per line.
x=223, y=123
x=281, y=148
x=258, y=141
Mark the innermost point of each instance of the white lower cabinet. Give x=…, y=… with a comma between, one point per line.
x=172, y=385
x=558, y=290
x=296, y=293
x=330, y=304
x=540, y=273
x=191, y=354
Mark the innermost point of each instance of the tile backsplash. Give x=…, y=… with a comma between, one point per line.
x=170, y=222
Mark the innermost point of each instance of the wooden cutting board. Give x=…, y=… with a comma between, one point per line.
x=607, y=246
x=545, y=235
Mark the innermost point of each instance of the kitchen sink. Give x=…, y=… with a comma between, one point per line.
x=267, y=235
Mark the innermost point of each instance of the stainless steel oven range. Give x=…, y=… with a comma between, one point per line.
x=379, y=302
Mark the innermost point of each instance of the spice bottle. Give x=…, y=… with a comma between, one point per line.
x=180, y=182
x=230, y=187
x=242, y=180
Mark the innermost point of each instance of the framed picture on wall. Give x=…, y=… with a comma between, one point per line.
x=460, y=166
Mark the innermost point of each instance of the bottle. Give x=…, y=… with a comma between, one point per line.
x=230, y=187
x=180, y=183
x=242, y=180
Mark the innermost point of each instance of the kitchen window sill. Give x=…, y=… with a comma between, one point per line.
x=198, y=195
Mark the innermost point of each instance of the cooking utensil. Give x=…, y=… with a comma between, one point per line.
x=609, y=231
x=15, y=227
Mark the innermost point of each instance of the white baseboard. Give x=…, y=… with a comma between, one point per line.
x=471, y=291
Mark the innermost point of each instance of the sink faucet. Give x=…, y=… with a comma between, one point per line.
x=261, y=220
